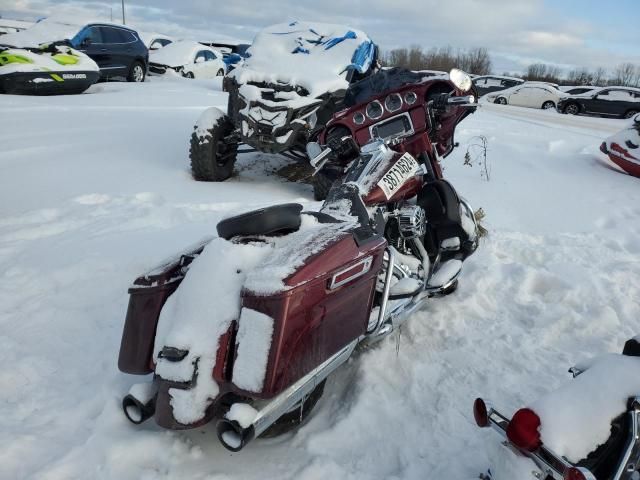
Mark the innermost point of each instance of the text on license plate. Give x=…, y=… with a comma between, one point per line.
x=404, y=169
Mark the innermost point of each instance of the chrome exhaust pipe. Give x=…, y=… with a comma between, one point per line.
x=139, y=405
x=235, y=436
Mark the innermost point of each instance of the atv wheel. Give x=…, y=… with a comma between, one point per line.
x=212, y=159
x=137, y=73
x=501, y=101
x=296, y=416
x=572, y=109
x=548, y=105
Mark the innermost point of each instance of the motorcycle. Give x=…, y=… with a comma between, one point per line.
x=588, y=429
x=245, y=327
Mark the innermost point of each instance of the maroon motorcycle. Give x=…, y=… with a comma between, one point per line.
x=245, y=327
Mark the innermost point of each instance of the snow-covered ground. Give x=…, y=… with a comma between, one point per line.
x=96, y=189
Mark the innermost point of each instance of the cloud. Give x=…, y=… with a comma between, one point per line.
x=515, y=32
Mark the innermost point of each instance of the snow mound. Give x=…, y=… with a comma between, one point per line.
x=45, y=31
x=576, y=418
x=315, y=56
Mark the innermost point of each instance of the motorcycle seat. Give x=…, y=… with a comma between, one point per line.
x=265, y=221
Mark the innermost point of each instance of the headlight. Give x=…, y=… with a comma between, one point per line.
x=460, y=79
x=374, y=110
x=358, y=118
x=393, y=102
x=410, y=98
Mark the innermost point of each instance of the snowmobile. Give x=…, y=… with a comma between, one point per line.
x=588, y=429
x=291, y=82
x=245, y=327
x=622, y=148
x=53, y=69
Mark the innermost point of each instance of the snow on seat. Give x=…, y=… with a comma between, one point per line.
x=576, y=418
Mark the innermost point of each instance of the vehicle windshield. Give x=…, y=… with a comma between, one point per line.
x=380, y=82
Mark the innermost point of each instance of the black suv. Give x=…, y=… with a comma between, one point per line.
x=621, y=102
x=117, y=50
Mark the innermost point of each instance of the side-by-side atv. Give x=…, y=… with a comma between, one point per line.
x=292, y=81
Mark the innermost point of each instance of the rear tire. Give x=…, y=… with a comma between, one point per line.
x=220, y=73
x=548, y=105
x=572, y=109
x=501, y=101
x=136, y=73
x=631, y=113
x=189, y=75
x=212, y=159
x=296, y=417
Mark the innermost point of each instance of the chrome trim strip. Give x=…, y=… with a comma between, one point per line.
x=367, y=266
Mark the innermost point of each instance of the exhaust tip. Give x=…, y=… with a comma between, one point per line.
x=232, y=436
x=136, y=411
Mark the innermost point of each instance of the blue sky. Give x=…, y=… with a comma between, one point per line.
x=569, y=33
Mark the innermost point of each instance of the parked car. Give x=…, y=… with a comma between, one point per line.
x=116, y=49
x=155, y=41
x=232, y=54
x=570, y=90
x=619, y=102
x=189, y=59
x=529, y=94
x=494, y=83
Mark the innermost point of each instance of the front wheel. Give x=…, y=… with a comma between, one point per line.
x=220, y=73
x=548, y=105
x=189, y=75
x=211, y=153
x=296, y=416
x=572, y=109
x=501, y=101
x=631, y=113
x=136, y=73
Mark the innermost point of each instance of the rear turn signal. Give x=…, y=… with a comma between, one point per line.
x=578, y=473
x=523, y=430
x=480, y=413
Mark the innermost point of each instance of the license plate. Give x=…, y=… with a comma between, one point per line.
x=404, y=169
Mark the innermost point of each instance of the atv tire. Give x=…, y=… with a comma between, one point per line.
x=296, y=417
x=212, y=159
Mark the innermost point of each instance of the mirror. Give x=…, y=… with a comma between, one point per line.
x=460, y=79
x=200, y=60
x=155, y=46
x=313, y=150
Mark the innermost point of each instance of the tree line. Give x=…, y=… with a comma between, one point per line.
x=478, y=62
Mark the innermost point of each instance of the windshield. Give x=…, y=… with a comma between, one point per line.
x=380, y=82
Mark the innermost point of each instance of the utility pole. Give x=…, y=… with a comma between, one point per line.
x=111, y=14
x=123, y=22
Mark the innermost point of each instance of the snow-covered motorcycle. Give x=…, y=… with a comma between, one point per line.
x=586, y=430
x=246, y=327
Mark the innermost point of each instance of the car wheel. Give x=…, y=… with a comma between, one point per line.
x=137, y=73
x=630, y=113
x=572, y=109
x=548, y=105
x=189, y=75
x=220, y=73
x=501, y=101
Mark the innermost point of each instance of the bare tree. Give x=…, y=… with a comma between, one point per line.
x=625, y=75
